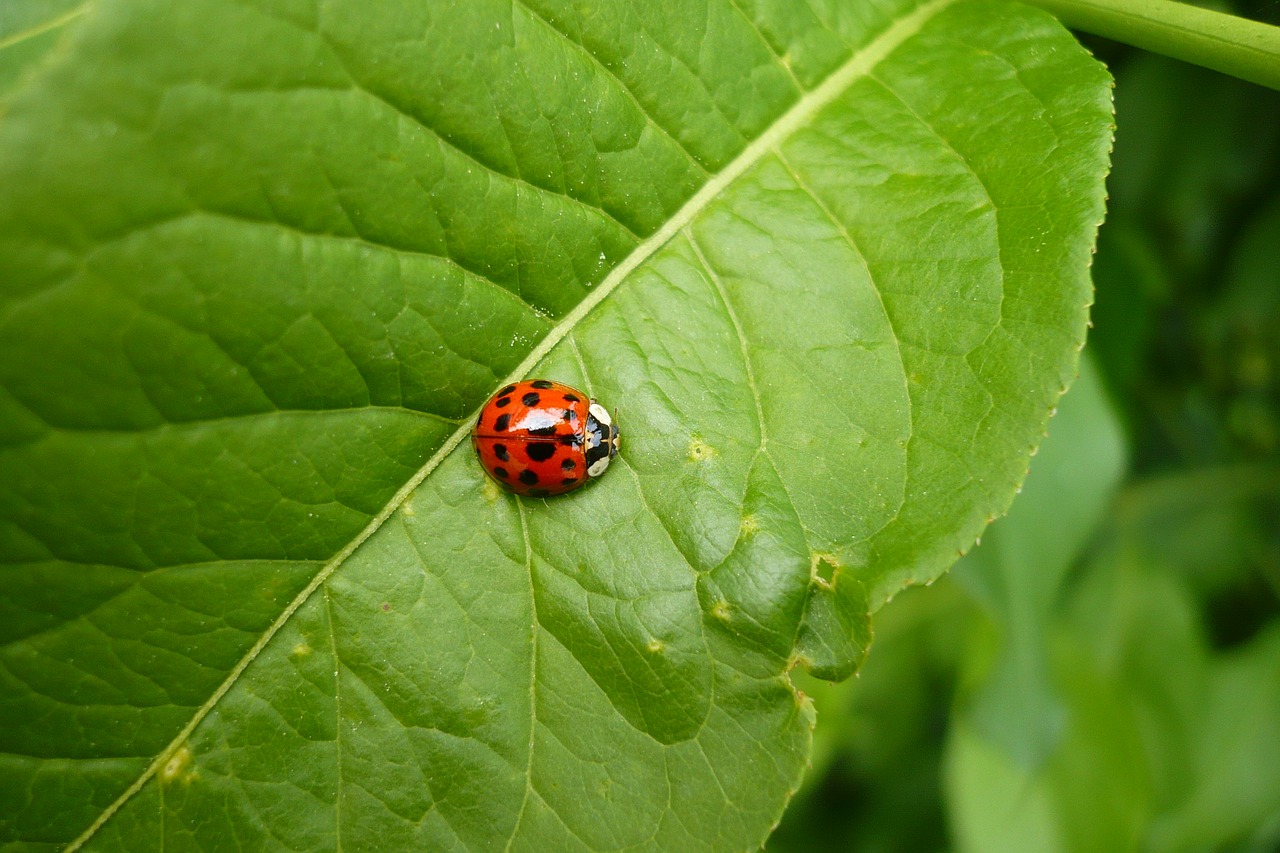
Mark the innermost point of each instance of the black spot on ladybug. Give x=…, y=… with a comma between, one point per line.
x=528, y=477
x=500, y=451
x=569, y=481
x=505, y=391
x=540, y=383
x=503, y=402
x=501, y=422
x=539, y=493
x=540, y=451
x=569, y=415
x=501, y=472
x=530, y=399
x=546, y=430
x=572, y=398
x=568, y=464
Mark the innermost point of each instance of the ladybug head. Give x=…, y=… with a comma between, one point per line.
x=602, y=439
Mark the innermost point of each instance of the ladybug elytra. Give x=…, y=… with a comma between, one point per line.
x=542, y=438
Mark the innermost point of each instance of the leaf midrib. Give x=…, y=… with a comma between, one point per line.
x=856, y=67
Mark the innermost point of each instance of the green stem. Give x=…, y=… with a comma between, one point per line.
x=1227, y=43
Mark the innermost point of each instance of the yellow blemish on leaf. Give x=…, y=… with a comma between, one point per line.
x=490, y=491
x=408, y=510
x=301, y=650
x=699, y=450
x=822, y=569
x=750, y=526
x=656, y=646
x=720, y=610
x=176, y=764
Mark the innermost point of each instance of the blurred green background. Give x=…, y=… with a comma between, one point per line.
x=1103, y=672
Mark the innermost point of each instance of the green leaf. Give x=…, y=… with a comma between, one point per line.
x=1090, y=795
x=1235, y=768
x=1158, y=742
x=1091, y=788
x=1166, y=745
x=259, y=265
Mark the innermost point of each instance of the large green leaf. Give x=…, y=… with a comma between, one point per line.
x=260, y=263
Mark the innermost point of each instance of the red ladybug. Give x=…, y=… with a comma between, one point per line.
x=541, y=438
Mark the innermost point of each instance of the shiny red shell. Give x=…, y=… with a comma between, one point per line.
x=531, y=437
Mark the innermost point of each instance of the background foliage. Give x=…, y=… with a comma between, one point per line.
x=1103, y=671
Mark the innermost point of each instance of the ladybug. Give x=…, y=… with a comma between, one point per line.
x=542, y=438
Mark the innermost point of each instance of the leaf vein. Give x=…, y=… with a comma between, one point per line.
x=358, y=85
x=339, y=793
x=613, y=75
x=782, y=61
x=533, y=672
x=354, y=238
x=45, y=26
x=563, y=195
x=884, y=308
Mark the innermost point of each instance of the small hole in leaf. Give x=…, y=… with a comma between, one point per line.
x=824, y=569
